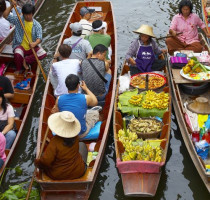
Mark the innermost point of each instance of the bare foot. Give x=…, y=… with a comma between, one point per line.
x=25, y=65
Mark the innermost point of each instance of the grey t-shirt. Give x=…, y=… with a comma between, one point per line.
x=95, y=84
x=81, y=50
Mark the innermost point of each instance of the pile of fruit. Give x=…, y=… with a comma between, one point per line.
x=136, y=99
x=145, y=125
x=194, y=66
x=155, y=100
x=137, y=149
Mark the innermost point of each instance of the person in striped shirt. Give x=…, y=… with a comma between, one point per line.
x=86, y=25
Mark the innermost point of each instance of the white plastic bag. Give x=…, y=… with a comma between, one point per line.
x=124, y=82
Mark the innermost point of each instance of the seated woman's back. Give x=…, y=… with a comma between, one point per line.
x=62, y=161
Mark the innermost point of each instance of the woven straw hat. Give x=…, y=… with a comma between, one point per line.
x=145, y=29
x=200, y=105
x=64, y=124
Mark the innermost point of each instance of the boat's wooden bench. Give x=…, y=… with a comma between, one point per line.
x=86, y=176
x=6, y=52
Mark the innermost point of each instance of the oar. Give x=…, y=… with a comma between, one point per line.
x=40, y=153
x=167, y=36
x=37, y=60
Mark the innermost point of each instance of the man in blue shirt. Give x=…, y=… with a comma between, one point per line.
x=23, y=55
x=78, y=103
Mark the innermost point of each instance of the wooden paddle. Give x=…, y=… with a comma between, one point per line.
x=37, y=60
x=168, y=36
x=40, y=153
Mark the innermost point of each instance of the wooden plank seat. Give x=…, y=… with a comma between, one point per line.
x=86, y=176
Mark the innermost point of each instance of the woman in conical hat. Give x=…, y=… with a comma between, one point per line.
x=64, y=157
x=143, y=51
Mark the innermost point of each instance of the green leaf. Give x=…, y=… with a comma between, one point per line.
x=15, y=187
x=18, y=170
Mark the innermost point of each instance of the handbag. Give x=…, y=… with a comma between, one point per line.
x=99, y=74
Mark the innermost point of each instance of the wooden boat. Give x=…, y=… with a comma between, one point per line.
x=79, y=188
x=179, y=98
x=9, y=38
x=21, y=101
x=141, y=183
x=22, y=98
x=205, y=14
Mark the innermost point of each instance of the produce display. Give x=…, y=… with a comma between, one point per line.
x=194, y=66
x=155, y=100
x=155, y=81
x=145, y=104
x=137, y=149
x=148, y=126
x=136, y=99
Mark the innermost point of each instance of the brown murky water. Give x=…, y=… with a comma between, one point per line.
x=179, y=179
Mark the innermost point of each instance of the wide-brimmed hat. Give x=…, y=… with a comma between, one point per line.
x=76, y=27
x=64, y=124
x=145, y=29
x=200, y=105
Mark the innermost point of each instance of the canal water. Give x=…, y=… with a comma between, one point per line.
x=179, y=179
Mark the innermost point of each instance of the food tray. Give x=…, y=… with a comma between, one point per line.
x=149, y=135
x=198, y=77
x=141, y=83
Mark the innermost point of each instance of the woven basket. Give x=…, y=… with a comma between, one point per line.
x=149, y=135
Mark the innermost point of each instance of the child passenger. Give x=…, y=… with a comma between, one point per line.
x=143, y=51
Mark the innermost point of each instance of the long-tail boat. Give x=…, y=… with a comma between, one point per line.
x=22, y=99
x=79, y=188
x=9, y=38
x=141, y=178
x=180, y=96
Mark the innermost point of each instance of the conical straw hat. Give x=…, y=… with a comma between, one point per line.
x=200, y=105
x=64, y=124
x=145, y=29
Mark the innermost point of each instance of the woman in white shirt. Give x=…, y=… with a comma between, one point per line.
x=4, y=24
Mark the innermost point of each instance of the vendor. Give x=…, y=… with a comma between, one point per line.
x=143, y=52
x=184, y=30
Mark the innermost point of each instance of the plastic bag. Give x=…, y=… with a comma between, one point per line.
x=124, y=82
x=202, y=149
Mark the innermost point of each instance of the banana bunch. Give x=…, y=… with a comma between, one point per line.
x=155, y=100
x=135, y=100
x=137, y=149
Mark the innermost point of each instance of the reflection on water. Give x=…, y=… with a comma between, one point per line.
x=179, y=179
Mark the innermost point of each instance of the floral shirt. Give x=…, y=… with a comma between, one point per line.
x=19, y=33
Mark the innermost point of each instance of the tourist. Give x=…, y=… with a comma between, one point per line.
x=78, y=104
x=85, y=14
x=96, y=72
x=65, y=157
x=61, y=69
x=7, y=121
x=2, y=150
x=6, y=87
x=4, y=24
x=98, y=36
x=81, y=48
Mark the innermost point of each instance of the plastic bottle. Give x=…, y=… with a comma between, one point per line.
x=195, y=136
